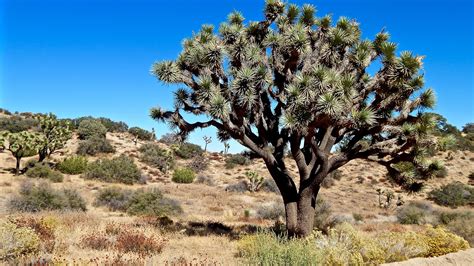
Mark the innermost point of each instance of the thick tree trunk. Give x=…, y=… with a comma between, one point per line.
x=17, y=168
x=300, y=214
x=42, y=155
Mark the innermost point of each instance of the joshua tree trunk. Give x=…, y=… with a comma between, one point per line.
x=17, y=168
x=300, y=214
x=43, y=153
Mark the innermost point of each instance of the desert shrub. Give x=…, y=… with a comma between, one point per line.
x=113, y=126
x=94, y=145
x=269, y=185
x=42, y=170
x=188, y=150
x=73, y=165
x=169, y=139
x=42, y=226
x=440, y=241
x=114, y=198
x=120, y=169
x=272, y=211
x=17, y=124
x=206, y=180
x=140, y=133
x=453, y=195
x=34, y=198
x=269, y=249
x=183, y=175
x=323, y=218
x=151, y=203
x=155, y=156
x=17, y=241
x=414, y=213
x=90, y=128
x=141, y=202
x=344, y=245
x=240, y=187
x=358, y=217
x=402, y=246
x=460, y=222
x=97, y=241
x=198, y=163
x=236, y=159
x=138, y=242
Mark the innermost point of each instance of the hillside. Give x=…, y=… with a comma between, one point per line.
x=353, y=195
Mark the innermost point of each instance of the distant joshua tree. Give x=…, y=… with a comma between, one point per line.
x=207, y=140
x=226, y=147
x=300, y=82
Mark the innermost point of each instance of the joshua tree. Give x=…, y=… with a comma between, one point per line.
x=226, y=147
x=207, y=140
x=21, y=144
x=300, y=82
x=56, y=134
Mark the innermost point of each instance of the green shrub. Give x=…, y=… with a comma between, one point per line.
x=441, y=241
x=151, y=203
x=236, y=159
x=42, y=170
x=17, y=124
x=34, y=198
x=453, y=195
x=17, y=241
x=95, y=145
x=323, y=218
x=273, y=211
x=140, y=133
x=91, y=128
x=461, y=223
x=113, y=126
x=73, y=165
x=183, y=175
x=114, y=198
x=188, y=150
x=155, y=156
x=140, y=202
x=343, y=245
x=414, y=213
x=120, y=169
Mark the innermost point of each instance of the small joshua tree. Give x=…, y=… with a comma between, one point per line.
x=56, y=133
x=294, y=81
x=21, y=144
x=255, y=181
x=207, y=140
x=226, y=147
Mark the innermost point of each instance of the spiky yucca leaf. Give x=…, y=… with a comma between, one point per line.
x=325, y=22
x=307, y=15
x=364, y=117
x=388, y=51
x=292, y=13
x=329, y=104
x=219, y=107
x=167, y=71
x=428, y=98
x=157, y=113
x=273, y=8
x=181, y=96
x=236, y=18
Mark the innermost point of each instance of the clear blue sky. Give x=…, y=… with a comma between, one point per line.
x=85, y=57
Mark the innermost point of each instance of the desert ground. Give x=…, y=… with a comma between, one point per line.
x=354, y=194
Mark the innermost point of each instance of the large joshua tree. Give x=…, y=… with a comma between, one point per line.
x=300, y=82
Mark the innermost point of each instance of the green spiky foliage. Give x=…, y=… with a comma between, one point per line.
x=297, y=81
x=56, y=133
x=21, y=144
